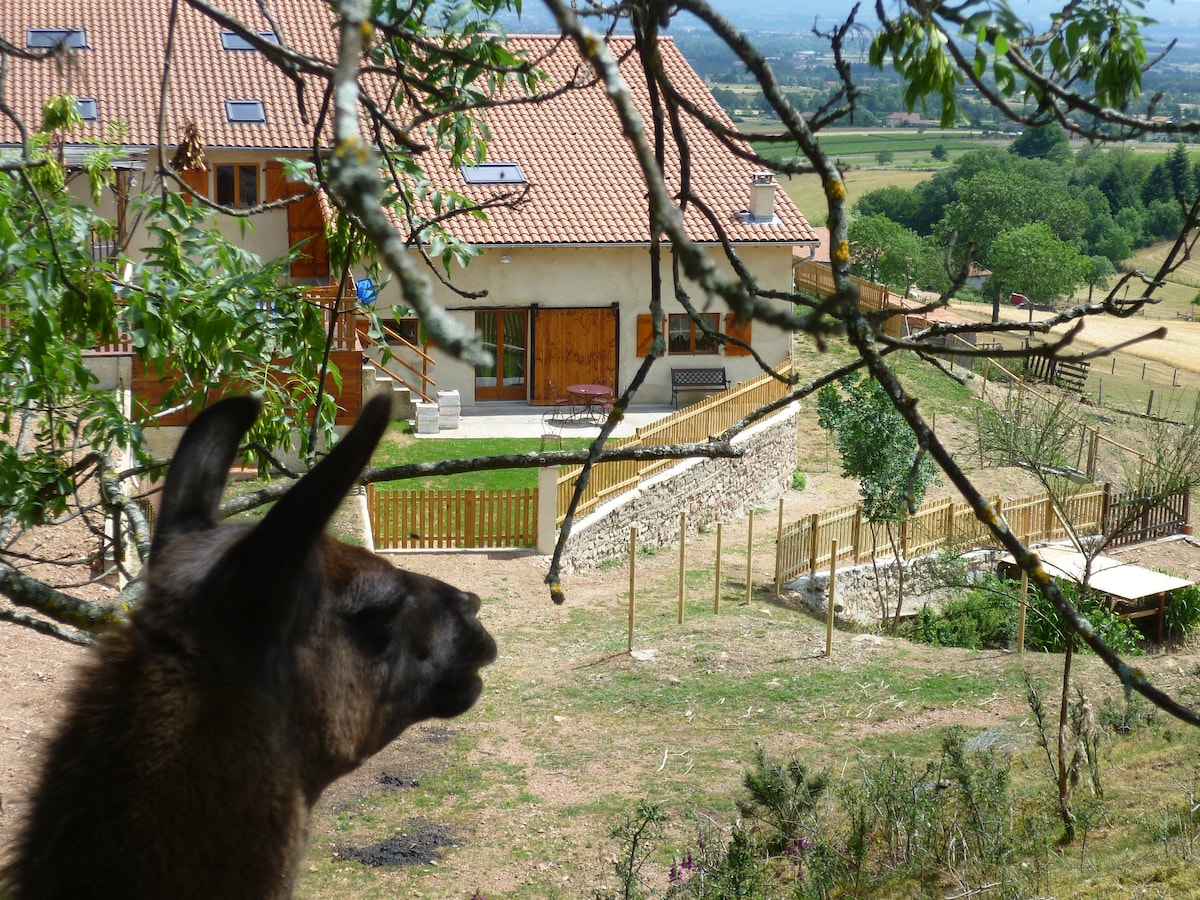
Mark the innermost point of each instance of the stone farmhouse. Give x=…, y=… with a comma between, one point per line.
x=565, y=270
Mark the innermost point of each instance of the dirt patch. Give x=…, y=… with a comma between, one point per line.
x=420, y=843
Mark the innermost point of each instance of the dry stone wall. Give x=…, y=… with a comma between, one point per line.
x=857, y=595
x=708, y=490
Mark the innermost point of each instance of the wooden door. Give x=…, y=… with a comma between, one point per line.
x=573, y=346
x=505, y=332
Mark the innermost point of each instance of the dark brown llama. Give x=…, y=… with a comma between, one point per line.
x=263, y=662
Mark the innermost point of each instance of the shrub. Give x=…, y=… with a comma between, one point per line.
x=986, y=618
x=1044, y=629
x=715, y=869
x=783, y=796
x=1182, y=614
x=1126, y=715
x=799, y=481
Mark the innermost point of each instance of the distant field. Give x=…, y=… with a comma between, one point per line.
x=855, y=152
x=806, y=191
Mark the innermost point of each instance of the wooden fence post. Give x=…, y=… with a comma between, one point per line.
x=829, y=598
x=948, y=538
x=750, y=559
x=717, y=589
x=856, y=538
x=682, y=560
x=469, y=522
x=1021, y=615
x=812, y=556
x=632, y=578
x=779, y=552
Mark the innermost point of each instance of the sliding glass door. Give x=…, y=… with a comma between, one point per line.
x=505, y=332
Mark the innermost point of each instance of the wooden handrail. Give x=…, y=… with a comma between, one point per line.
x=425, y=379
x=399, y=378
x=408, y=344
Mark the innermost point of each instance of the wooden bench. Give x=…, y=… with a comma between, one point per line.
x=705, y=379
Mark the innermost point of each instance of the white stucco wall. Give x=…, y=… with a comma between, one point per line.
x=580, y=277
x=265, y=235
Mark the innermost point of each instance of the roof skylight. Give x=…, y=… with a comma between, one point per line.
x=245, y=111
x=48, y=38
x=231, y=40
x=87, y=109
x=493, y=173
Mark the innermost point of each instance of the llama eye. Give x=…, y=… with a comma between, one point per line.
x=372, y=627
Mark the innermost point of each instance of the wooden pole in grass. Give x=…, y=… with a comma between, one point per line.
x=682, y=559
x=1021, y=614
x=632, y=578
x=779, y=552
x=717, y=589
x=749, y=558
x=829, y=598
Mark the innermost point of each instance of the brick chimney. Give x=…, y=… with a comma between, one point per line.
x=762, y=197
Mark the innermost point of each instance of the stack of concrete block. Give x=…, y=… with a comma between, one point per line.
x=427, y=418
x=449, y=409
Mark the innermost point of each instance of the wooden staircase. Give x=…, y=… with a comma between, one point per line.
x=407, y=382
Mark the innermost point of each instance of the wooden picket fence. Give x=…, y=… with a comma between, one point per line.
x=693, y=424
x=412, y=520
x=804, y=546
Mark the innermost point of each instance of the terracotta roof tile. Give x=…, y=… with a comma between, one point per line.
x=123, y=69
x=584, y=183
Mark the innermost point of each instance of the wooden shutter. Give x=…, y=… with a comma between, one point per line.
x=645, y=333
x=276, y=184
x=197, y=180
x=739, y=330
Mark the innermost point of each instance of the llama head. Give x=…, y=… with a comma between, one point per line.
x=264, y=661
x=350, y=649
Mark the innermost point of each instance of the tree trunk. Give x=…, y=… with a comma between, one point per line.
x=1064, y=766
x=899, y=577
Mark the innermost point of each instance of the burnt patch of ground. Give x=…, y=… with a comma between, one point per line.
x=419, y=844
x=400, y=780
x=437, y=734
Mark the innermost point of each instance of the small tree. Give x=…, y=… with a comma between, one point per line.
x=1031, y=259
x=939, y=152
x=885, y=157
x=884, y=251
x=880, y=451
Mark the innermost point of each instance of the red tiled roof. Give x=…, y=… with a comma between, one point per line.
x=122, y=69
x=584, y=183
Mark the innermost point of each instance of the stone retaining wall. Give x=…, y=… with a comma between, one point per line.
x=708, y=490
x=857, y=596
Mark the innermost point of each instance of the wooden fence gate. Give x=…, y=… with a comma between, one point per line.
x=411, y=520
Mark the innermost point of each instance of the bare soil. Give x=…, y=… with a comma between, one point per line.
x=36, y=671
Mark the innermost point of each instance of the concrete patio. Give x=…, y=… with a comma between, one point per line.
x=521, y=420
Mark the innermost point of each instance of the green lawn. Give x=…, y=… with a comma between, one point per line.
x=399, y=447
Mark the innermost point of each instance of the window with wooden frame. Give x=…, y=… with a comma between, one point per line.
x=237, y=184
x=406, y=328
x=686, y=336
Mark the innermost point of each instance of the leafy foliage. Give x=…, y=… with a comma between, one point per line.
x=876, y=447
x=986, y=618
x=783, y=796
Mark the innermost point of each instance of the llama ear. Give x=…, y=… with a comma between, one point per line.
x=196, y=478
x=298, y=519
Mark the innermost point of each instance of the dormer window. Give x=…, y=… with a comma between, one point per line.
x=49, y=38
x=231, y=40
x=241, y=112
x=493, y=173
x=86, y=107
